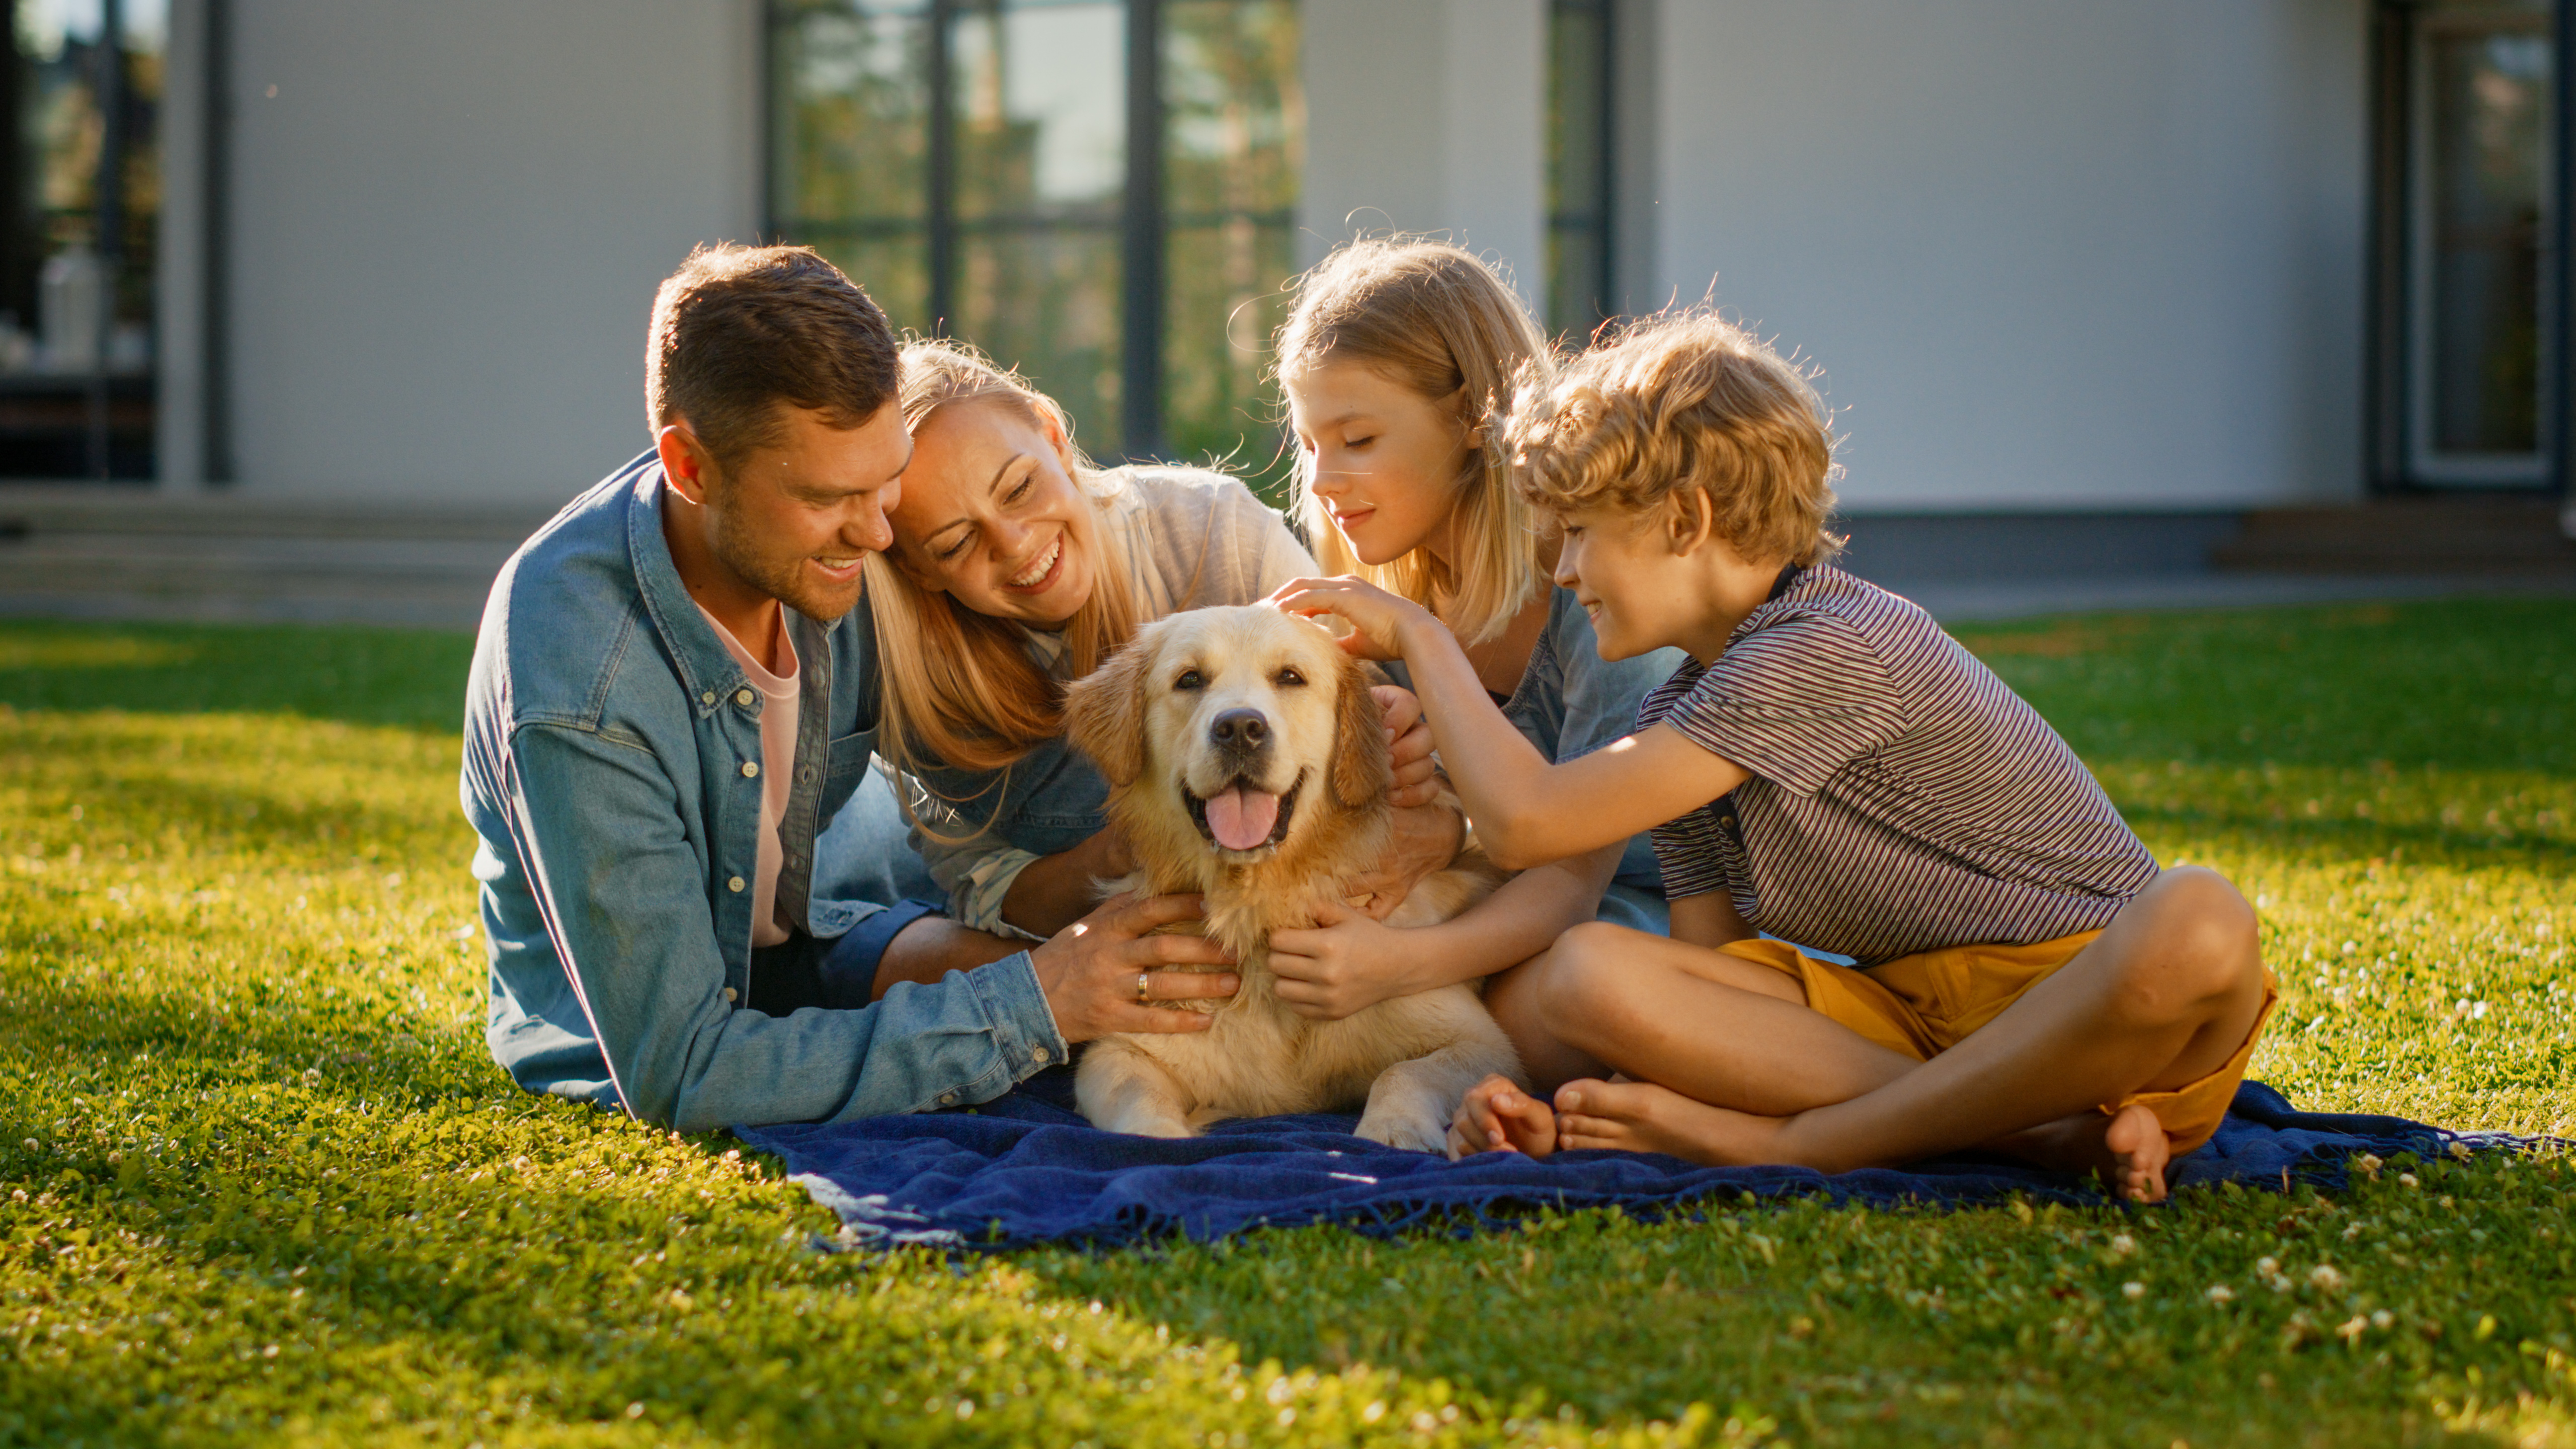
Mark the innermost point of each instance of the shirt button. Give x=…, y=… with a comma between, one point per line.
x=707, y=698
x=750, y=769
x=806, y=774
x=948, y=1099
x=734, y=885
x=1039, y=1055
x=731, y=994
x=741, y=697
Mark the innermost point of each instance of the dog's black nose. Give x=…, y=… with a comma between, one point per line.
x=1240, y=730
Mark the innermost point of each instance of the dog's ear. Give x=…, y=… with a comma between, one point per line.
x=1104, y=713
x=1360, y=772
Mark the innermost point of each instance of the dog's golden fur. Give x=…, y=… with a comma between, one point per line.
x=1146, y=718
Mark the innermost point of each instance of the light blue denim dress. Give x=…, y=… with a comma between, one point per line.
x=1570, y=702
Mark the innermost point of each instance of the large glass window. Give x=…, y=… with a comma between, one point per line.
x=2480, y=200
x=1054, y=180
x=79, y=214
x=1578, y=165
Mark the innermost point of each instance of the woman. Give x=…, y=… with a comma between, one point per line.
x=1018, y=566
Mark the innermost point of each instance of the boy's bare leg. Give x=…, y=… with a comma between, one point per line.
x=2163, y=998
x=933, y=946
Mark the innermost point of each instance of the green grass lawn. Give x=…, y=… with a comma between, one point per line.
x=259, y=1182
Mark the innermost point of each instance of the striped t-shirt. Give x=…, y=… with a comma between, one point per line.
x=1902, y=797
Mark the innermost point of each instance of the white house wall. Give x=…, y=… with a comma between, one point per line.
x=1429, y=116
x=2052, y=256
x=448, y=221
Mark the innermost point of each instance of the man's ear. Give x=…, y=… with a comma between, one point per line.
x=686, y=461
x=1360, y=771
x=1104, y=712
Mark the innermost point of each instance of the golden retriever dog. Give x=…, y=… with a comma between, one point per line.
x=1247, y=761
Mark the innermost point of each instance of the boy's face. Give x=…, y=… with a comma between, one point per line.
x=1624, y=570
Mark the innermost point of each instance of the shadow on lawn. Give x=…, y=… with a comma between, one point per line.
x=413, y=679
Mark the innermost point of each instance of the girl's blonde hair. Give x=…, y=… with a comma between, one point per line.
x=1436, y=319
x=960, y=687
x=1685, y=410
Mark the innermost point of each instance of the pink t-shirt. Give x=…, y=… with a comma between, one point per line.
x=776, y=681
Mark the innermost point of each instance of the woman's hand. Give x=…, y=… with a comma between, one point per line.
x=1408, y=748
x=1377, y=618
x=1347, y=962
x=1426, y=838
x=1091, y=970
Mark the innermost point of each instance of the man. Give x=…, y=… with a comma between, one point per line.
x=674, y=689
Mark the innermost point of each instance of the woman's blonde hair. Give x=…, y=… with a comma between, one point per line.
x=961, y=687
x=1436, y=319
x=1685, y=410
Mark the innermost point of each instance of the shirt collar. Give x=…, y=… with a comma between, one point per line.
x=707, y=669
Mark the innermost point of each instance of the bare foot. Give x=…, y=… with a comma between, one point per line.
x=1642, y=1117
x=2129, y=1151
x=1497, y=1116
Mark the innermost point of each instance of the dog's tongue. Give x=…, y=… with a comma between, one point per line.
x=1240, y=819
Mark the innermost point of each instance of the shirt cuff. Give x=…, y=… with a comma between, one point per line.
x=976, y=898
x=1025, y=1036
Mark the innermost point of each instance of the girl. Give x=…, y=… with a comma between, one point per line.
x=1016, y=566
x=1397, y=360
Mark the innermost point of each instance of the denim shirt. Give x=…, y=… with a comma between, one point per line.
x=1570, y=702
x=607, y=738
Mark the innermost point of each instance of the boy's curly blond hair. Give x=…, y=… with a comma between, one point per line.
x=1677, y=404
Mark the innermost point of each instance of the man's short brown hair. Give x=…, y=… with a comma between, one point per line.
x=739, y=330
x=1678, y=404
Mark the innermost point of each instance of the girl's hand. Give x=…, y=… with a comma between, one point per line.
x=1345, y=963
x=1376, y=617
x=1425, y=838
x=1408, y=748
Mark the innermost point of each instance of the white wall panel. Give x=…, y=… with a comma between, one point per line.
x=448, y=223
x=2052, y=256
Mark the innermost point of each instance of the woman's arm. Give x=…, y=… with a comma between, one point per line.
x=1526, y=809
x=1350, y=961
x=1054, y=891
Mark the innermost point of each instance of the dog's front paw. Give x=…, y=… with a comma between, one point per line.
x=1151, y=1125
x=1413, y=1131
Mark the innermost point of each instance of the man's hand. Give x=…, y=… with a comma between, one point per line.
x=1498, y=1116
x=1426, y=838
x=1090, y=969
x=1347, y=962
x=1376, y=617
x=1408, y=748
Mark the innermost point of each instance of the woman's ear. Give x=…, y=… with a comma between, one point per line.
x=1104, y=712
x=1360, y=770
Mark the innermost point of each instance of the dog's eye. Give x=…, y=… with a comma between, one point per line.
x=1288, y=678
x=1190, y=679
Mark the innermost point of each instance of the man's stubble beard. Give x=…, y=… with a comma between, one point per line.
x=781, y=579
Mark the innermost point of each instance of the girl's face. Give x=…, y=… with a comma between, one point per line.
x=1383, y=458
x=991, y=515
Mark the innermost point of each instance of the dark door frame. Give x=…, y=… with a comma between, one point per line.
x=2386, y=409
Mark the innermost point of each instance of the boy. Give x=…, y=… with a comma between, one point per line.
x=1833, y=769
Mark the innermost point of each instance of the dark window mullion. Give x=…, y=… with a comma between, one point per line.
x=1140, y=387
x=942, y=169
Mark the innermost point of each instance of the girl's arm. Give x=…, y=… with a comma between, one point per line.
x=1708, y=920
x=1349, y=961
x=1526, y=810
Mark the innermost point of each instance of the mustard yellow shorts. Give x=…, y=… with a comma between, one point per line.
x=1924, y=1005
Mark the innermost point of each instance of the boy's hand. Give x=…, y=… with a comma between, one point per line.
x=1376, y=617
x=1346, y=963
x=1415, y=775
x=1498, y=1116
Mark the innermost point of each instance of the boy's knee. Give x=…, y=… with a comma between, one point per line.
x=2208, y=946
x=1579, y=979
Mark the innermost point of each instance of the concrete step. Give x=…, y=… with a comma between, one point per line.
x=2413, y=536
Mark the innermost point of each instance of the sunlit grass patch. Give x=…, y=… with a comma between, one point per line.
x=259, y=1180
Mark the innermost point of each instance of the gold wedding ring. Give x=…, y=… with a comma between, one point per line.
x=1140, y=987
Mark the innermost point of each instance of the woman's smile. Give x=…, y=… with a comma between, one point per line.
x=1041, y=573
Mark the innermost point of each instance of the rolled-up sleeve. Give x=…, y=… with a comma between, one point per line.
x=597, y=828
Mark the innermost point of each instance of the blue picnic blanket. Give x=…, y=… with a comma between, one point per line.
x=1026, y=1169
